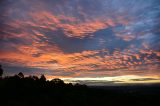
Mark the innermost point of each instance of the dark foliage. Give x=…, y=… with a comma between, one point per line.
x=1, y=71
x=21, y=75
x=33, y=91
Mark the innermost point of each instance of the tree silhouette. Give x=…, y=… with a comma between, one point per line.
x=57, y=82
x=1, y=71
x=35, y=78
x=43, y=78
x=21, y=75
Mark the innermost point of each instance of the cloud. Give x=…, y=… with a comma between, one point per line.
x=79, y=38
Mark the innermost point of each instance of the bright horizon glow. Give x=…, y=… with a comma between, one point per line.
x=124, y=79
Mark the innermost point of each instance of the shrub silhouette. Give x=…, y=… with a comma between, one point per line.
x=20, y=74
x=57, y=81
x=43, y=78
x=1, y=71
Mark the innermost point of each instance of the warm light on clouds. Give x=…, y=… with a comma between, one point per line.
x=72, y=39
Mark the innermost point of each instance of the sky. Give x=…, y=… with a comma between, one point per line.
x=105, y=40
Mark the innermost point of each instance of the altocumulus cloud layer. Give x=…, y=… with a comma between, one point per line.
x=80, y=38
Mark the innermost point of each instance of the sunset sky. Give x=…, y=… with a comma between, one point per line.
x=104, y=41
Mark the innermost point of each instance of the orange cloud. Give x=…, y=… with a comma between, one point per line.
x=86, y=61
x=71, y=26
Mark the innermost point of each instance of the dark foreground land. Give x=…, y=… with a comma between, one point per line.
x=34, y=91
